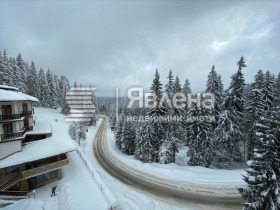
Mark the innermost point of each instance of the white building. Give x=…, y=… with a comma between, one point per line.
x=31, y=154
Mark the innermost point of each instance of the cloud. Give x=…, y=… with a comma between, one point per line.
x=120, y=43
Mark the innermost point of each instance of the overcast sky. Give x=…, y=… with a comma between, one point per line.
x=120, y=43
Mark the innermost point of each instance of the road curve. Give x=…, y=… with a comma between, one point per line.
x=180, y=191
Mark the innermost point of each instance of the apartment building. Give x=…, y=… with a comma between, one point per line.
x=31, y=154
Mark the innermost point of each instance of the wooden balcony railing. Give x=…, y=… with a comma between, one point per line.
x=44, y=169
x=12, y=136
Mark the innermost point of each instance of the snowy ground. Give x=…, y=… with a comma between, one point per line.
x=182, y=172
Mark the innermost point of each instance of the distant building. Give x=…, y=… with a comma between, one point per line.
x=31, y=155
x=80, y=101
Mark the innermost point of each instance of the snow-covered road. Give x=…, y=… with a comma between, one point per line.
x=225, y=198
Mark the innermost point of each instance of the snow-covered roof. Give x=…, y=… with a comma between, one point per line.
x=10, y=95
x=60, y=142
x=6, y=87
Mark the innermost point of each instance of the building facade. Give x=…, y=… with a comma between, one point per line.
x=29, y=157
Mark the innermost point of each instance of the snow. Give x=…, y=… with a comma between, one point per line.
x=60, y=142
x=41, y=127
x=194, y=174
x=8, y=87
x=34, y=204
x=7, y=95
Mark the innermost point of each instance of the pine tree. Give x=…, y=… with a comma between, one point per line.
x=65, y=87
x=263, y=176
x=184, y=123
x=229, y=131
x=15, y=73
x=128, y=139
x=169, y=147
x=144, y=147
x=21, y=74
x=268, y=90
x=32, y=81
x=169, y=87
x=44, y=88
x=255, y=109
x=155, y=113
x=215, y=86
x=277, y=91
x=6, y=70
x=119, y=133
x=52, y=98
x=200, y=151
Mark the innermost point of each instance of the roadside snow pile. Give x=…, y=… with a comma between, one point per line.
x=183, y=173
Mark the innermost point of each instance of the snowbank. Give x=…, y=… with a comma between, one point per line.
x=195, y=174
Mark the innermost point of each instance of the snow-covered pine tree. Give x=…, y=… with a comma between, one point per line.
x=44, y=88
x=215, y=86
x=155, y=113
x=200, y=151
x=15, y=73
x=32, y=81
x=5, y=70
x=277, y=90
x=144, y=147
x=58, y=91
x=128, y=139
x=119, y=133
x=93, y=100
x=256, y=108
x=229, y=131
x=169, y=87
x=184, y=125
x=268, y=90
x=64, y=86
x=263, y=176
x=169, y=147
x=52, y=98
x=22, y=74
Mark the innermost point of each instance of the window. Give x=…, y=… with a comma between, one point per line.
x=8, y=128
x=12, y=169
x=47, y=176
x=6, y=109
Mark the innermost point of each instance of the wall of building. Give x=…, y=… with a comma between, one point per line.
x=9, y=148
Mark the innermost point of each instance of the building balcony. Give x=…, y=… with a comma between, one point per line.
x=9, y=117
x=45, y=168
x=13, y=136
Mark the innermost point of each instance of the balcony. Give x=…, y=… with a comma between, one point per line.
x=7, y=117
x=13, y=136
x=44, y=169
